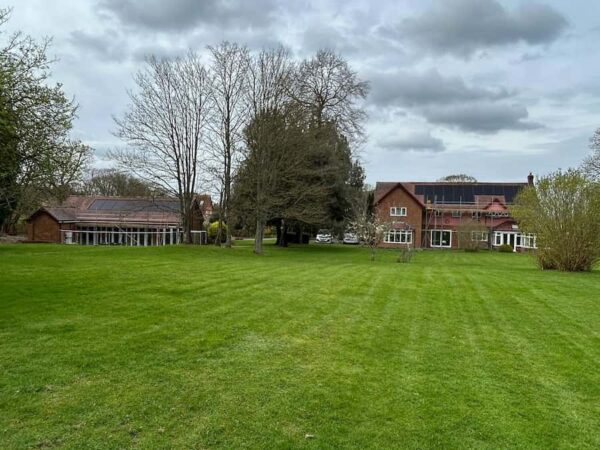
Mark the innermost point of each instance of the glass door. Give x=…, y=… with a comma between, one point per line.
x=441, y=238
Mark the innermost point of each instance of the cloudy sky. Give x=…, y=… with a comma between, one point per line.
x=490, y=88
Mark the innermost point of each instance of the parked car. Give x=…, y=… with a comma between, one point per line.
x=323, y=237
x=351, y=239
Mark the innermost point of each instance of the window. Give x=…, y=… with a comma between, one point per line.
x=479, y=236
x=441, y=238
x=456, y=213
x=498, y=214
x=398, y=211
x=398, y=237
x=497, y=238
x=475, y=215
x=527, y=241
x=439, y=213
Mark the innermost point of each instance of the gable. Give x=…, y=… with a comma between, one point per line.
x=384, y=189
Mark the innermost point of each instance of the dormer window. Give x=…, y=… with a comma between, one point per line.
x=398, y=211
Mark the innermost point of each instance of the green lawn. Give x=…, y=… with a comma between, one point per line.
x=315, y=347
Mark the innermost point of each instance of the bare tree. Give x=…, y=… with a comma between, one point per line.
x=269, y=77
x=228, y=75
x=165, y=128
x=331, y=91
x=591, y=165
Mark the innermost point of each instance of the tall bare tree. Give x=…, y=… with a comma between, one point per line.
x=228, y=76
x=332, y=92
x=269, y=78
x=165, y=128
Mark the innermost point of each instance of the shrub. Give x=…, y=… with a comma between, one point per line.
x=469, y=235
x=563, y=210
x=212, y=232
x=505, y=248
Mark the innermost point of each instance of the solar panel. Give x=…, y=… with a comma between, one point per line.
x=465, y=193
x=134, y=205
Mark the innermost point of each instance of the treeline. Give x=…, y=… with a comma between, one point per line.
x=275, y=137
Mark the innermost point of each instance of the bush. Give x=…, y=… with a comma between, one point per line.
x=469, y=233
x=212, y=232
x=505, y=248
x=563, y=211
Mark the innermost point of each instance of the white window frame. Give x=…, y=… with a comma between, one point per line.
x=398, y=211
x=498, y=238
x=528, y=240
x=440, y=244
x=476, y=215
x=398, y=237
x=439, y=213
x=456, y=213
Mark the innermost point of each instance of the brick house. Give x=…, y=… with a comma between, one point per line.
x=429, y=214
x=92, y=220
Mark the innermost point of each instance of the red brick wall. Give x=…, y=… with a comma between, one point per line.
x=414, y=214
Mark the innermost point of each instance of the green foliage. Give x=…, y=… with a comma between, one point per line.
x=213, y=230
x=177, y=347
x=563, y=210
x=39, y=162
x=505, y=248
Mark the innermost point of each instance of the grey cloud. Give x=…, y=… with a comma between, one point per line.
x=481, y=117
x=177, y=15
x=102, y=47
x=406, y=89
x=416, y=141
x=462, y=27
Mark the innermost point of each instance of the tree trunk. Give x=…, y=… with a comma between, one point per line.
x=284, y=230
x=220, y=225
x=278, y=233
x=225, y=209
x=258, y=238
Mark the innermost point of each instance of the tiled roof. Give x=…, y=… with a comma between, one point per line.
x=121, y=210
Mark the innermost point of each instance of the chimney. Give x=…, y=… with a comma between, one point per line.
x=530, y=179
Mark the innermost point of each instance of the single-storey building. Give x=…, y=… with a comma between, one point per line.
x=93, y=220
x=430, y=214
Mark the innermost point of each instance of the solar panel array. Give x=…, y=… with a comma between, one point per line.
x=135, y=205
x=465, y=193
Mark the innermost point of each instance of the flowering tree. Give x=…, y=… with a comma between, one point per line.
x=370, y=230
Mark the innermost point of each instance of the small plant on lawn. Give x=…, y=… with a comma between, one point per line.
x=505, y=248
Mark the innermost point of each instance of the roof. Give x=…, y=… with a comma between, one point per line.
x=382, y=189
x=121, y=210
x=61, y=215
x=454, y=193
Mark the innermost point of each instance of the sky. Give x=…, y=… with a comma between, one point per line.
x=494, y=89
